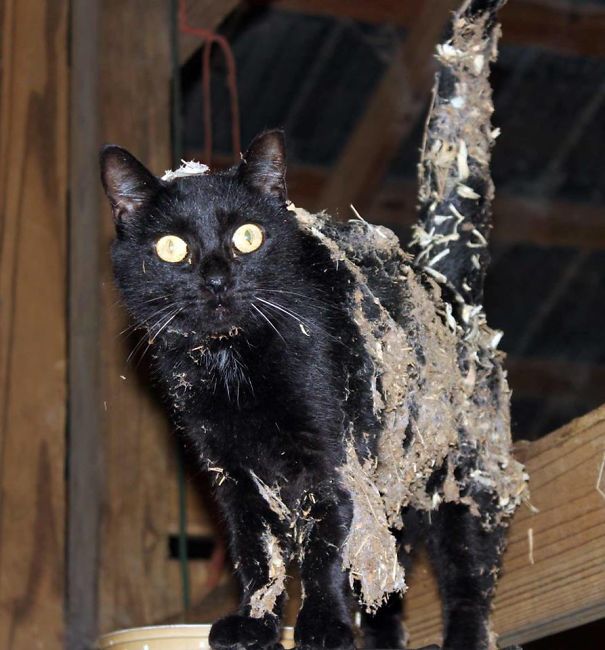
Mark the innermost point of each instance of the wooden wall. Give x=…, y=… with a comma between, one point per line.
x=33, y=270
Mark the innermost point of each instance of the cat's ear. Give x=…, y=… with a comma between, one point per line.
x=129, y=185
x=263, y=166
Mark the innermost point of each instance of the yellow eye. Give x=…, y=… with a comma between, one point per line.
x=248, y=238
x=171, y=248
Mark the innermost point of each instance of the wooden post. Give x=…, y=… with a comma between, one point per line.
x=84, y=453
x=33, y=268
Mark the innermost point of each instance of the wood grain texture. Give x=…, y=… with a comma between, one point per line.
x=558, y=581
x=84, y=457
x=138, y=584
x=33, y=264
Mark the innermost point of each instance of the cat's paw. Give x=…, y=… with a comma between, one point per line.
x=315, y=631
x=237, y=632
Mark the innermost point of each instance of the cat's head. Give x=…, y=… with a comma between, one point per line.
x=208, y=255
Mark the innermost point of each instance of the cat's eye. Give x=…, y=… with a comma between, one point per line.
x=171, y=248
x=248, y=238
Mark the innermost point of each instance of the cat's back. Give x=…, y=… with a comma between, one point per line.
x=438, y=385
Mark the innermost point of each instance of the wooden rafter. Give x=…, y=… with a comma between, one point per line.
x=554, y=567
x=392, y=112
x=553, y=378
x=558, y=26
x=516, y=219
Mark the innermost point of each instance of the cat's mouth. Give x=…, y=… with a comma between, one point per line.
x=220, y=309
x=219, y=316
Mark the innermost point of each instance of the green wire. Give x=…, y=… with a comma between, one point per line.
x=183, y=557
x=177, y=154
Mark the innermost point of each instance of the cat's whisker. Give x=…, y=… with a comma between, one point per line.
x=137, y=347
x=140, y=324
x=153, y=338
x=297, y=318
x=148, y=336
x=265, y=317
x=304, y=295
x=303, y=322
x=140, y=303
x=308, y=300
x=305, y=325
x=162, y=297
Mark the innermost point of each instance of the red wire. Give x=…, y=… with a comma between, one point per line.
x=206, y=92
x=209, y=37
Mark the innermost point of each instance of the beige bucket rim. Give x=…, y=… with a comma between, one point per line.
x=151, y=632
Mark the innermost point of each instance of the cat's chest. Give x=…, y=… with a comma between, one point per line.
x=255, y=411
x=269, y=441
x=224, y=384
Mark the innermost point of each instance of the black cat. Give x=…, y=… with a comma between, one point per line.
x=255, y=349
x=344, y=399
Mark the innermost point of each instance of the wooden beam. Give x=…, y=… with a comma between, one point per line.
x=551, y=377
x=549, y=223
x=554, y=568
x=208, y=14
x=85, y=398
x=392, y=112
x=377, y=11
x=34, y=95
x=516, y=219
x=558, y=26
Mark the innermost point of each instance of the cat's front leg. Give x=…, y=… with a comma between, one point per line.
x=259, y=547
x=324, y=618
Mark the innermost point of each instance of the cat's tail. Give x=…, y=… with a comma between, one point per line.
x=456, y=189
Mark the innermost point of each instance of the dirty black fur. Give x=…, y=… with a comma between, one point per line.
x=263, y=373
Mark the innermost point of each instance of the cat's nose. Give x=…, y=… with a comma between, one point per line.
x=217, y=283
x=215, y=275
